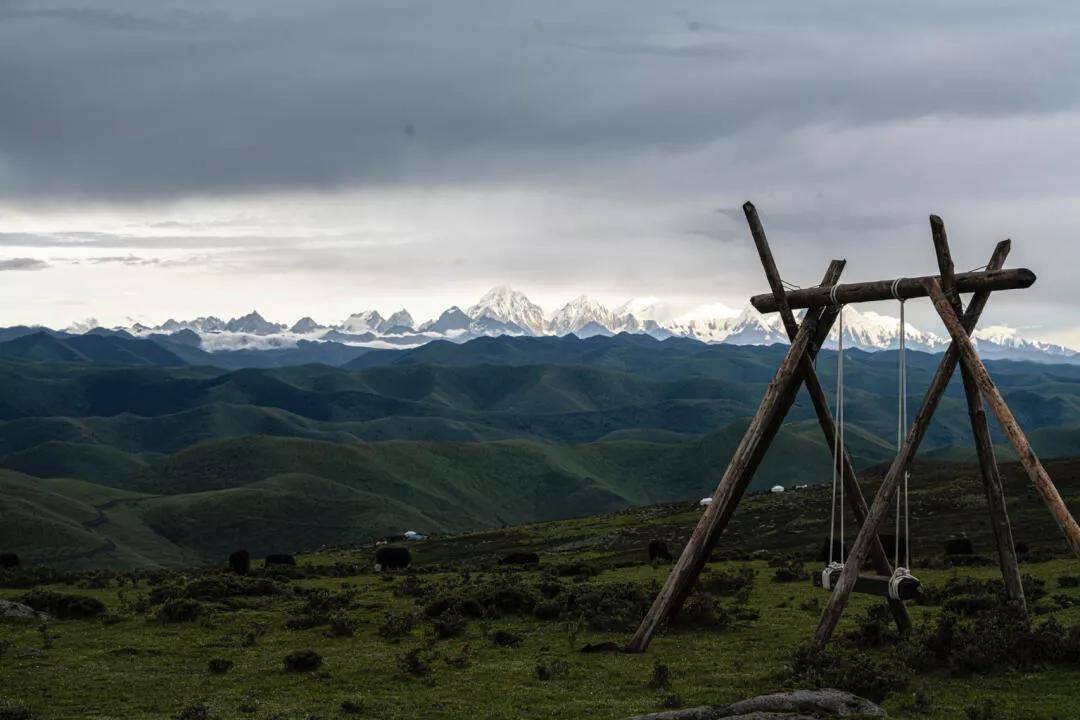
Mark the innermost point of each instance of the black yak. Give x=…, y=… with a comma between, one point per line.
x=392, y=558
x=959, y=546
x=658, y=550
x=240, y=562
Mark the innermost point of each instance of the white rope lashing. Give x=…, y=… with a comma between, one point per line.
x=838, y=454
x=901, y=570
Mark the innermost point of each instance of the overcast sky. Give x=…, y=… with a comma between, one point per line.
x=320, y=158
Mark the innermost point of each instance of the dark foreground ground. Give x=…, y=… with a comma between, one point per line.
x=459, y=636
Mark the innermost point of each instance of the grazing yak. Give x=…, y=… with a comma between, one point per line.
x=9, y=560
x=520, y=558
x=240, y=562
x=392, y=558
x=658, y=550
x=959, y=546
x=280, y=559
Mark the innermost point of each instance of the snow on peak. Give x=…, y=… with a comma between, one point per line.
x=509, y=306
x=869, y=330
x=643, y=309
x=401, y=320
x=748, y=327
x=362, y=322
x=579, y=313
x=82, y=326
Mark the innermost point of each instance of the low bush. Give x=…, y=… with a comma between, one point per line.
x=64, y=606
x=504, y=639
x=302, y=661
x=219, y=666
x=843, y=666
x=11, y=710
x=397, y=625
x=341, y=625
x=180, y=610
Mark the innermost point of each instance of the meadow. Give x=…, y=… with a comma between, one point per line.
x=458, y=635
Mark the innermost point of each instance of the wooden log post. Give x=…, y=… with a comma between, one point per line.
x=907, y=288
x=778, y=398
x=830, y=616
x=852, y=489
x=980, y=430
x=1028, y=459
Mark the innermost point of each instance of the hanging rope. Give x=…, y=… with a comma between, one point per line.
x=838, y=454
x=901, y=570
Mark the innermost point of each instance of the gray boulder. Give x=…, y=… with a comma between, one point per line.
x=17, y=612
x=795, y=705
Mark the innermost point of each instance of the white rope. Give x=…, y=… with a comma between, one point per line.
x=838, y=453
x=901, y=568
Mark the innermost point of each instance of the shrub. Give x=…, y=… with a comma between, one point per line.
x=341, y=625
x=180, y=610
x=842, y=666
x=1068, y=581
x=198, y=711
x=549, y=670
x=661, y=675
x=219, y=666
x=737, y=584
x=415, y=663
x=397, y=625
x=352, y=706
x=983, y=711
x=505, y=638
x=302, y=661
x=873, y=628
x=11, y=710
x=448, y=625
x=64, y=606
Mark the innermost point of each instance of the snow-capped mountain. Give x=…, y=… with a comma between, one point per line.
x=504, y=311
x=362, y=322
x=253, y=324
x=579, y=313
x=748, y=327
x=511, y=307
x=869, y=330
x=1002, y=341
x=306, y=325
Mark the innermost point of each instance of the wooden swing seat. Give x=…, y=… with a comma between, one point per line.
x=876, y=585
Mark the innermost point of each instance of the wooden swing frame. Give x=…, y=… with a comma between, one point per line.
x=797, y=368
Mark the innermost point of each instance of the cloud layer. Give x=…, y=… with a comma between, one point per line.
x=422, y=149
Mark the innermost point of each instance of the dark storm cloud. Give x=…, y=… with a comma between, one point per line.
x=23, y=263
x=124, y=100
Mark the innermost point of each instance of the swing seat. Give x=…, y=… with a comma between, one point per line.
x=907, y=587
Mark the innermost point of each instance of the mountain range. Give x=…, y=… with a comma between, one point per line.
x=505, y=311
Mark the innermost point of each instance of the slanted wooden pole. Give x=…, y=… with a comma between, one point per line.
x=980, y=430
x=883, y=499
x=1028, y=459
x=852, y=489
x=848, y=294
x=778, y=398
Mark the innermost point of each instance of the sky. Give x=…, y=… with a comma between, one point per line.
x=323, y=158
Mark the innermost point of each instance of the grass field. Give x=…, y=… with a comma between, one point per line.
x=134, y=665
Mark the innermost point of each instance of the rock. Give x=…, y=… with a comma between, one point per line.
x=17, y=612
x=795, y=705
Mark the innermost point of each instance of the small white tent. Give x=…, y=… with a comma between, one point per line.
x=777, y=489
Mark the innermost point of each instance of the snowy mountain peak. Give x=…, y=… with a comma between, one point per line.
x=306, y=325
x=362, y=322
x=507, y=305
x=579, y=313
x=401, y=320
x=253, y=324
x=872, y=331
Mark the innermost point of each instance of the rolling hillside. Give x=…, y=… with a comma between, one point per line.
x=142, y=463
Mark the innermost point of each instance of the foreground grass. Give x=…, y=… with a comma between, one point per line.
x=141, y=668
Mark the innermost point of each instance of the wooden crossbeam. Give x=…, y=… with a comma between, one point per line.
x=830, y=616
x=778, y=398
x=1028, y=459
x=876, y=585
x=980, y=430
x=852, y=489
x=906, y=288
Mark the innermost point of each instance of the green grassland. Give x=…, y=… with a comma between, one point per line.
x=134, y=665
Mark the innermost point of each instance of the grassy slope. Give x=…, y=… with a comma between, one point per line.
x=141, y=668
